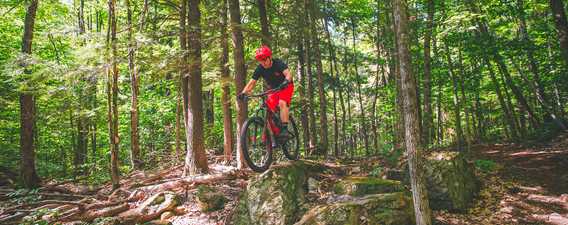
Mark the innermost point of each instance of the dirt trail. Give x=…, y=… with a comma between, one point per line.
x=530, y=186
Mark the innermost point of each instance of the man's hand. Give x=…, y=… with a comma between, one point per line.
x=283, y=84
x=242, y=96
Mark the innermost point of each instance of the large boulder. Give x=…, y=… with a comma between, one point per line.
x=275, y=196
x=451, y=181
x=386, y=209
x=360, y=186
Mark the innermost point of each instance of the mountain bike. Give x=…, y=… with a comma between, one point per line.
x=259, y=136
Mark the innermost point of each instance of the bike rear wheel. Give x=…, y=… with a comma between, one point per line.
x=291, y=147
x=256, y=145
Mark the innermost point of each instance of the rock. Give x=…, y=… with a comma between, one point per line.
x=451, y=181
x=275, y=196
x=359, y=186
x=166, y=215
x=209, y=199
x=387, y=209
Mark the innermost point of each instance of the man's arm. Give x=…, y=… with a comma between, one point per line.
x=248, y=88
x=288, y=75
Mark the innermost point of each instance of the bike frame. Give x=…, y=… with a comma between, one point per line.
x=268, y=115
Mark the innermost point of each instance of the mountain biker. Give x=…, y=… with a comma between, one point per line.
x=277, y=76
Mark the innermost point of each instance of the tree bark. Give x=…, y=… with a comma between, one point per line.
x=196, y=159
x=27, y=108
x=240, y=72
x=559, y=15
x=319, y=69
x=310, y=87
x=112, y=93
x=135, y=159
x=457, y=103
x=359, y=92
x=332, y=64
x=266, y=38
x=422, y=210
x=225, y=78
x=427, y=119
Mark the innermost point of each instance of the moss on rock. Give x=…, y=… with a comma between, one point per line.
x=387, y=209
x=210, y=199
x=360, y=186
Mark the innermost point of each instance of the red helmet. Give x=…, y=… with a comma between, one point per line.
x=263, y=52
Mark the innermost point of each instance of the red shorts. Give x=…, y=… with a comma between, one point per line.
x=284, y=94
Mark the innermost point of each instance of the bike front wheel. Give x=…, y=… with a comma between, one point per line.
x=256, y=145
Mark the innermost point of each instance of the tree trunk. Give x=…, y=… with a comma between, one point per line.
x=196, y=159
x=178, y=124
x=225, y=79
x=412, y=138
x=112, y=93
x=427, y=119
x=27, y=106
x=240, y=72
x=457, y=103
x=508, y=113
x=319, y=68
x=467, y=136
x=332, y=63
x=310, y=86
x=359, y=92
x=266, y=38
x=559, y=15
x=135, y=159
x=304, y=118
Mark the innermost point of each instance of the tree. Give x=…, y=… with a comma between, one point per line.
x=225, y=77
x=195, y=160
x=411, y=122
x=266, y=37
x=112, y=94
x=319, y=69
x=559, y=15
x=134, y=145
x=240, y=73
x=27, y=108
x=427, y=119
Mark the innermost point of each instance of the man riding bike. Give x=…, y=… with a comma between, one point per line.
x=277, y=76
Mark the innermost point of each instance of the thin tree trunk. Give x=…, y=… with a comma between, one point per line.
x=319, y=68
x=266, y=38
x=427, y=119
x=310, y=86
x=178, y=124
x=457, y=103
x=422, y=210
x=135, y=159
x=559, y=15
x=359, y=92
x=27, y=106
x=240, y=72
x=467, y=137
x=225, y=78
x=112, y=92
x=303, y=101
x=332, y=63
x=508, y=114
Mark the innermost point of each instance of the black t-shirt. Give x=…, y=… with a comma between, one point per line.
x=274, y=75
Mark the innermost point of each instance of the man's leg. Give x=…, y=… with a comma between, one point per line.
x=284, y=111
